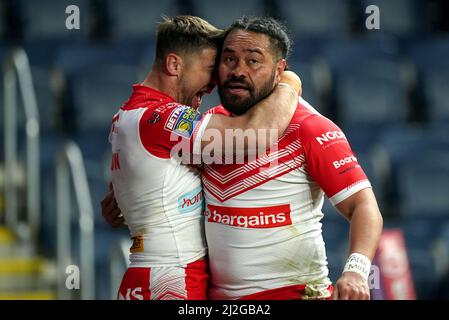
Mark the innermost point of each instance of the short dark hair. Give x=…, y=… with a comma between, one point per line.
x=281, y=41
x=185, y=34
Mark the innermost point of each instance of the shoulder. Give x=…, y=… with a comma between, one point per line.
x=312, y=124
x=173, y=118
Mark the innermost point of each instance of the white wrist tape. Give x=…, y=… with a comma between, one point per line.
x=358, y=263
x=288, y=85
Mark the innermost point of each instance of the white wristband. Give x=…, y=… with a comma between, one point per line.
x=288, y=85
x=358, y=263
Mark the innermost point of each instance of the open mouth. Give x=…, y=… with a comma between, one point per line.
x=236, y=88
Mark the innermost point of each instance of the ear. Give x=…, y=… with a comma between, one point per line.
x=173, y=64
x=280, y=68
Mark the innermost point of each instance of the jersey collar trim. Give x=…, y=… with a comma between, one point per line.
x=151, y=93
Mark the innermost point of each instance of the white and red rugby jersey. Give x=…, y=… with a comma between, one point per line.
x=161, y=199
x=263, y=217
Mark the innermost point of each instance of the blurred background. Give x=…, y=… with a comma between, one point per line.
x=388, y=89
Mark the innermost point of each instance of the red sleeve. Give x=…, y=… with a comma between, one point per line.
x=218, y=110
x=171, y=128
x=329, y=159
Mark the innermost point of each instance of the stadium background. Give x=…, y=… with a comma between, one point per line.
x=386, y=88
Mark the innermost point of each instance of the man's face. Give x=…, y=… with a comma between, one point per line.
x=247, y=71
x=196, y=77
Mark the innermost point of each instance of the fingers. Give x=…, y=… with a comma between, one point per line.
x=108, y=204
x=346, y=289
x=293, y=80
x=335, y=295
x=107, y=201
x=115, y=218
x=348, y=292
x=118, y=222
x=111, y=212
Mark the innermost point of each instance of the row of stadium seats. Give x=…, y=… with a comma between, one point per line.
x=367, y=83
x=120, y=19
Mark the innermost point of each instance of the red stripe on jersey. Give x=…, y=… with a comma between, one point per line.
x=225, y=181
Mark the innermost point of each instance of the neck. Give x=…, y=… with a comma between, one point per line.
x=162, y=82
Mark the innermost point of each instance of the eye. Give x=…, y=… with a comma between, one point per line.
x=229, y=59
x=253, y=61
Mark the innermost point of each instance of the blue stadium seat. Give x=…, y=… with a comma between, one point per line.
x=137, y=19
x=99, y=80
x=73, y=59
x=436, y=91
x=429, y=53
x=398, y=17
x=421, y=232
x=424, y=273
x=343, y=53
x=43, y=53
x=402, y=143
x=313, y=85
x=430, y=58
x=423, y=185
x=371, y=93
x=223, y=13
x=367, y=81
x=369, y=167
x=46, y=19
x=316, y=18
x=362, y=138
x=98, y=95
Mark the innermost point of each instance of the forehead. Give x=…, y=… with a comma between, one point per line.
x=204, y=56
x=241, y=40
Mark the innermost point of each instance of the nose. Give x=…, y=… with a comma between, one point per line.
x=239, y=70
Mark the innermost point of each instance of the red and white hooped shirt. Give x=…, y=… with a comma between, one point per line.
x=160, y=198
x=263, y=217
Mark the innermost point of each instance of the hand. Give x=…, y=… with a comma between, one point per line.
x=351, y=286
x=111, y=212
x=293, y=80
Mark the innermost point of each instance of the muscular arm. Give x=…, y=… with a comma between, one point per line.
x=366, y=222
x=274, y=112
x=366, y=227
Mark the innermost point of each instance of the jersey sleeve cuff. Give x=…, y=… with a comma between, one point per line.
x=349, y=191
x=199, y=132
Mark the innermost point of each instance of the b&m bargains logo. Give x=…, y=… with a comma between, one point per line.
x=262, y=217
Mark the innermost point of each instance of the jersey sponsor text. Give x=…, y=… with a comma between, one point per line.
x=264, y=217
